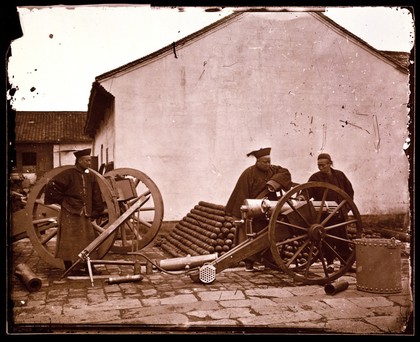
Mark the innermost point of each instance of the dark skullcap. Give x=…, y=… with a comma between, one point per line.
x=324, y=156
x=260, y=153
x=81, y=153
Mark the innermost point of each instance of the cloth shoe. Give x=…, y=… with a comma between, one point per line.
x=249, y=266
x=330, y=268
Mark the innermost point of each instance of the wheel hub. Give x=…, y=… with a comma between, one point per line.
x=316, y=232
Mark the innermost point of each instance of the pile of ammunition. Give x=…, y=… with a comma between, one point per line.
x=204, y=230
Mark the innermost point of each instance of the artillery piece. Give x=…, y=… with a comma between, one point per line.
x=121, y=189
x=298, y=232
x=298, y=229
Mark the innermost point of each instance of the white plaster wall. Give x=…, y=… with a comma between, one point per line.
x=284, y=80
x=105, y=139
x=63, y=153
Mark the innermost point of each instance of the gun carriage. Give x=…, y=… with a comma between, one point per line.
x=298, y=230
x=121, y=189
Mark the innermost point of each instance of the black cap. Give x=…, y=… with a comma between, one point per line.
x=81, y=153
x=324, y=156
x=260, y=153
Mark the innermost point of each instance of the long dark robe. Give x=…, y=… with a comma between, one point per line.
x=80, y=197
x=252, y=183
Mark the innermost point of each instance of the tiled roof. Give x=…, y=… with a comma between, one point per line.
x=50, y=127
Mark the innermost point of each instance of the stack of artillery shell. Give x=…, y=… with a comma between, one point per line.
x=204, y=230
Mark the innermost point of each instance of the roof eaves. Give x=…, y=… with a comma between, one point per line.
x=99, y=100
x=384, y=56
x=171, y=47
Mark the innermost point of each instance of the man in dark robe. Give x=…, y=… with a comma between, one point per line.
x=77, y=192
x=330, y=175
x=257, y=181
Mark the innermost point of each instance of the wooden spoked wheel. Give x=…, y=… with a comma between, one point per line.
x=303, y=231
x=42, y=219
x=144, y=224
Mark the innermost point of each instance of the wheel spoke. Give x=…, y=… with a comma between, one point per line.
x=333, y=212
x=284, y=223
x=47, y=237
x=290, y=203
x=324, y=197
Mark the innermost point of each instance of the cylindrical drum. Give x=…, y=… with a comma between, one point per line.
x=378, y=264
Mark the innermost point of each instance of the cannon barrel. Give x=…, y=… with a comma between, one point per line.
x=31, y=281
x=333, y=288
x=125, y=279
x=257, y=207
x=188, y=261
x=109, y=230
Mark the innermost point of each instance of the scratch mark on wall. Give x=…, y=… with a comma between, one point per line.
x=364, y=114
x=173, y=48
x=376, y=132
x=324, y=136
x=204, y=69
x=354, y=125
x=215, y=170
x=227, y=66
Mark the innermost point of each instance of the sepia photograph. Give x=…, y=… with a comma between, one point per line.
x=209, y=170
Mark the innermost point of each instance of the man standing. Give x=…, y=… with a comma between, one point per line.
x=257, y=181
x=336, y=177
x=77, y=192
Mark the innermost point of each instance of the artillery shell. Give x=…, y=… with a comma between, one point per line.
x=125, y=279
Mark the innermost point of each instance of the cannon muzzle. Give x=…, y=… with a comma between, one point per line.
x=31, y=281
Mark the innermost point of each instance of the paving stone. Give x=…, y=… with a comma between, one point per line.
x=227, y=313
x=187, y=298
x=371, y=302
x=236, y=301
x=343, y=308
x=281, y=318
x=221, y=295
x=263, y=302
x=164, y=320
x=388, y=324
x=349, y=326
x=268, y=292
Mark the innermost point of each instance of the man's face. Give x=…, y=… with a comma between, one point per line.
x=84, y=162
x=263, y=163
x=324, y=165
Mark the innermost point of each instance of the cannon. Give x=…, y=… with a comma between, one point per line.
x=298, y=229
x=298, y=232
x=121, y=189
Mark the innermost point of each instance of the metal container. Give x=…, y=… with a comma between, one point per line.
x=378, y=264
